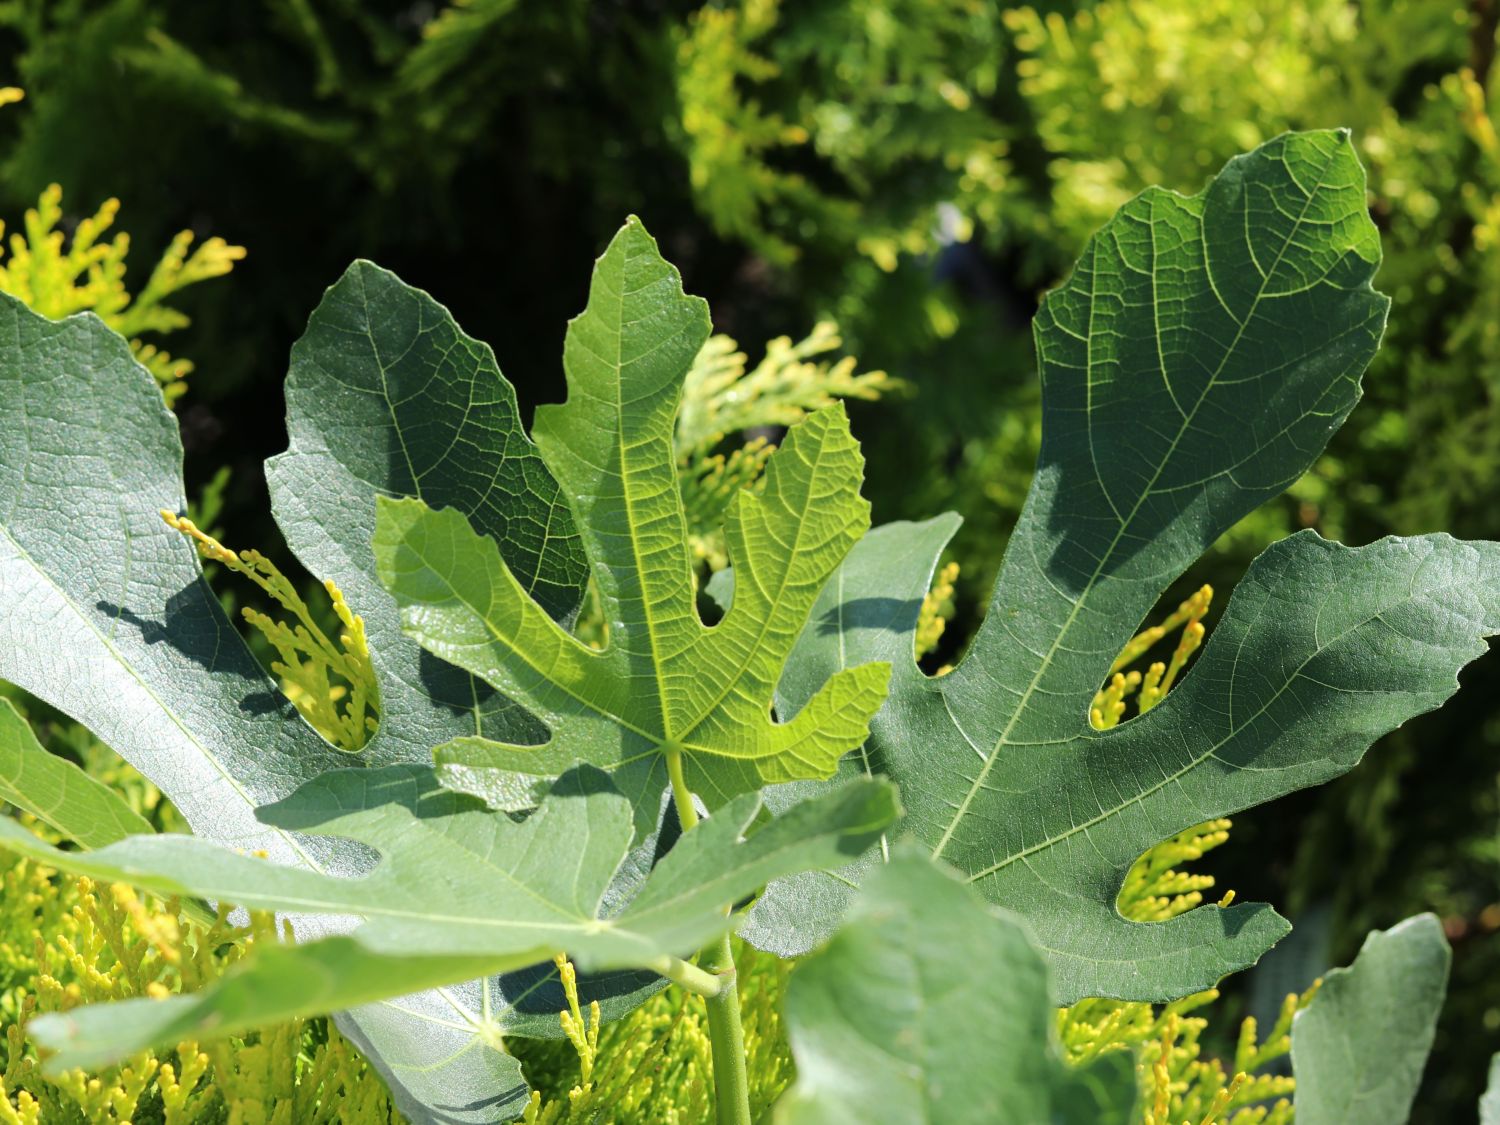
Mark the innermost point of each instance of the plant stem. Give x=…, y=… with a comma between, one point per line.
x=684, y=974
x=726, y=1033
x=682, y=797
x=726, y=1037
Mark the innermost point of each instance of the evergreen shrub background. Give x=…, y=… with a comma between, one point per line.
x=919, y=170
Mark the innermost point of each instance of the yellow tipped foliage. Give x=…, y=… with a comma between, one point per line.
x=344, y=712
x=937, y=608
x=655, y=1066
x=93, y=943
x=722, y=397
x=1178, y=1085
x=58, y=276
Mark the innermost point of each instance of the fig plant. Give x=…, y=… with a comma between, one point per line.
x=527, y=795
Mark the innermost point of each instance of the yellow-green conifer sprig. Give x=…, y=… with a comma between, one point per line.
x=307, y=659
x=58, y=276
x=937, y=608
x=655, y=1065
x=723, y=396
x=88, y=943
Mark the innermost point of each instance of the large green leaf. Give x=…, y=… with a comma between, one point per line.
x=1193, y=365
x=57, y=792
x=930, y=1005
x=104, y=613
x=387, y=397
x=1359, y=1048
x=666, y=688
x=459, y=890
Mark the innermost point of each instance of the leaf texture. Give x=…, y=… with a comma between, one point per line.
x=1194, y=364
x=1359, y=1048
x=666, y=688
x=902, y=1019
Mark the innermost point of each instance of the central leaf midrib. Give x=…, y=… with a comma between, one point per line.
x=1021, y=705
x=385, y=392
x=625, y=495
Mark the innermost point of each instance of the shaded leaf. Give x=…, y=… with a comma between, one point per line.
x=386, y=396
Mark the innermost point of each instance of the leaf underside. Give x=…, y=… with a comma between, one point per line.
x=1359, y=1048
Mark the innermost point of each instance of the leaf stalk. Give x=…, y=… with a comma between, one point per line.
x=726, y=1031
x=686, y=975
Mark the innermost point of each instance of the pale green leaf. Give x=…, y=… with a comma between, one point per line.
x=1194, y=364
x=666, y=686
x=1359, y=1048
x=1489, y=1104
x=57, y=792
x=280, y=982
x=929, y=1005
x=459, y=890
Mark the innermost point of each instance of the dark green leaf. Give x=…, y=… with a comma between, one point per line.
x=1195, y=363
x=386, y=396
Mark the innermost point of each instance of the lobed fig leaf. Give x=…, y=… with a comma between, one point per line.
x=667, y=693
x=1193, y=365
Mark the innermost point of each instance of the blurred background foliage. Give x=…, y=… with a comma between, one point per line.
x=917, y=172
